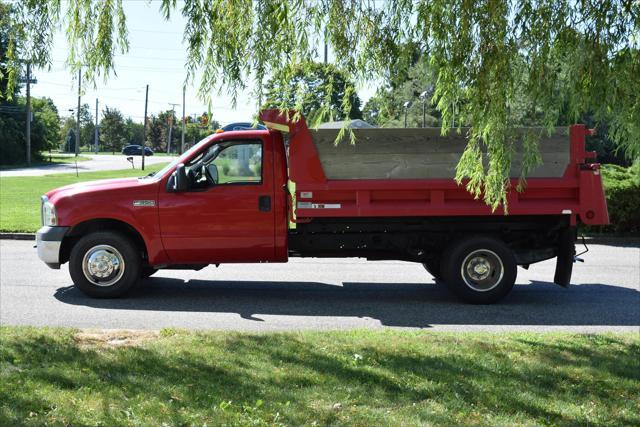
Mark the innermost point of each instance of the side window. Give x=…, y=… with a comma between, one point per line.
x=239, y=163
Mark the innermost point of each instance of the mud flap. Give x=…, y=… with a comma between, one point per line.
x=566, y=254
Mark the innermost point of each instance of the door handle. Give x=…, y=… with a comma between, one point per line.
x=264, y=203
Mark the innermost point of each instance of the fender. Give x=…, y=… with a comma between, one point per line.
x=131, y=201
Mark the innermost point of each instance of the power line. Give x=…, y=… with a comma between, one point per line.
x=159, y=49
x=158, y=69
x=126, y=55
x=117, y=98
x=105, y=88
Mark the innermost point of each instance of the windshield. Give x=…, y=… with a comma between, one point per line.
x=180, y=159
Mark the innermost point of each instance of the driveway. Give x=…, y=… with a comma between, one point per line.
x=98, y=162
x=323, y=294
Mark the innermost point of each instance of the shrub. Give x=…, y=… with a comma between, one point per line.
x=44, y=130
x=12, y=145
x=622, y=189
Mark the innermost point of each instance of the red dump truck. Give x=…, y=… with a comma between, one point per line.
x=267, y=195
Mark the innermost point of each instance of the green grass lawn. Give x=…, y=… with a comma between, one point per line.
x=366, y=378
x=20, y=196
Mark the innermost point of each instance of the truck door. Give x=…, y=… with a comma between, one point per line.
x=229, y=219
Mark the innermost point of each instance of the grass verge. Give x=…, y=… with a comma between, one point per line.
x=68, y=377
x=20, y=196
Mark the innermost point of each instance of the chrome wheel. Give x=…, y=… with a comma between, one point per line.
x=103, y=265
x=482, y=270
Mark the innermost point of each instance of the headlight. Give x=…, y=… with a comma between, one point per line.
x=48, y=212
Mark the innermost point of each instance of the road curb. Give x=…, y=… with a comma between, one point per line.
x=17, y=236
x=611, y=240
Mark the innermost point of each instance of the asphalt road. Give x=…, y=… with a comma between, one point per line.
x=326, y=294
x=99, y=162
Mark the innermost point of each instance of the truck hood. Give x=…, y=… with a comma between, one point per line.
x=99, y=186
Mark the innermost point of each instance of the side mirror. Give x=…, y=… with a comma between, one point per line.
x=179, y=179
x=213, y=171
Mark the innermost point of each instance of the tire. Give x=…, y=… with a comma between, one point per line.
x=479, y=270
x=433, y=268
x=147, y=272
x=105, y=264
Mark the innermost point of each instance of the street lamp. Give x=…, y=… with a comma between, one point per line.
x=406, y=108
x=423, y=97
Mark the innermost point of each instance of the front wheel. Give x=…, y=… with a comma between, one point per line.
x=105, y=264
x=479, y=270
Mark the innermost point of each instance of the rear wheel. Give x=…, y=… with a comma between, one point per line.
x=105, y=264
x=479, y=270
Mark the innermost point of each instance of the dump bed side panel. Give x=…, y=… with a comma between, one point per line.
x=424, y=153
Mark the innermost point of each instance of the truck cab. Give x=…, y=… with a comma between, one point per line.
x=224, y=200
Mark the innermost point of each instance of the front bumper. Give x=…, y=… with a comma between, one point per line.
x=48, y=242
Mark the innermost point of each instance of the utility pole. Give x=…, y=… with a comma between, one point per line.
x=28, y=135
x=29, y=114
x=144, y=128
x=184, y=88
x=77, y=150
x=326, y=48
x=95, y=133
x=173, y=109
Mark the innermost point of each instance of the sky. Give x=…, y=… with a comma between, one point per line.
x=156, y=57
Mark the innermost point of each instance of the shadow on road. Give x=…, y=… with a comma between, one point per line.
x=393, y=304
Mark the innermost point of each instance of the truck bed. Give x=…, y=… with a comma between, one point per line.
x=409, y=173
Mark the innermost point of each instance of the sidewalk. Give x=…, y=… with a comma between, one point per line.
x=101, y=162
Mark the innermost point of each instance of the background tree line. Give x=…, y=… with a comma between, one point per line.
x=50, y=131
x=115, y=131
